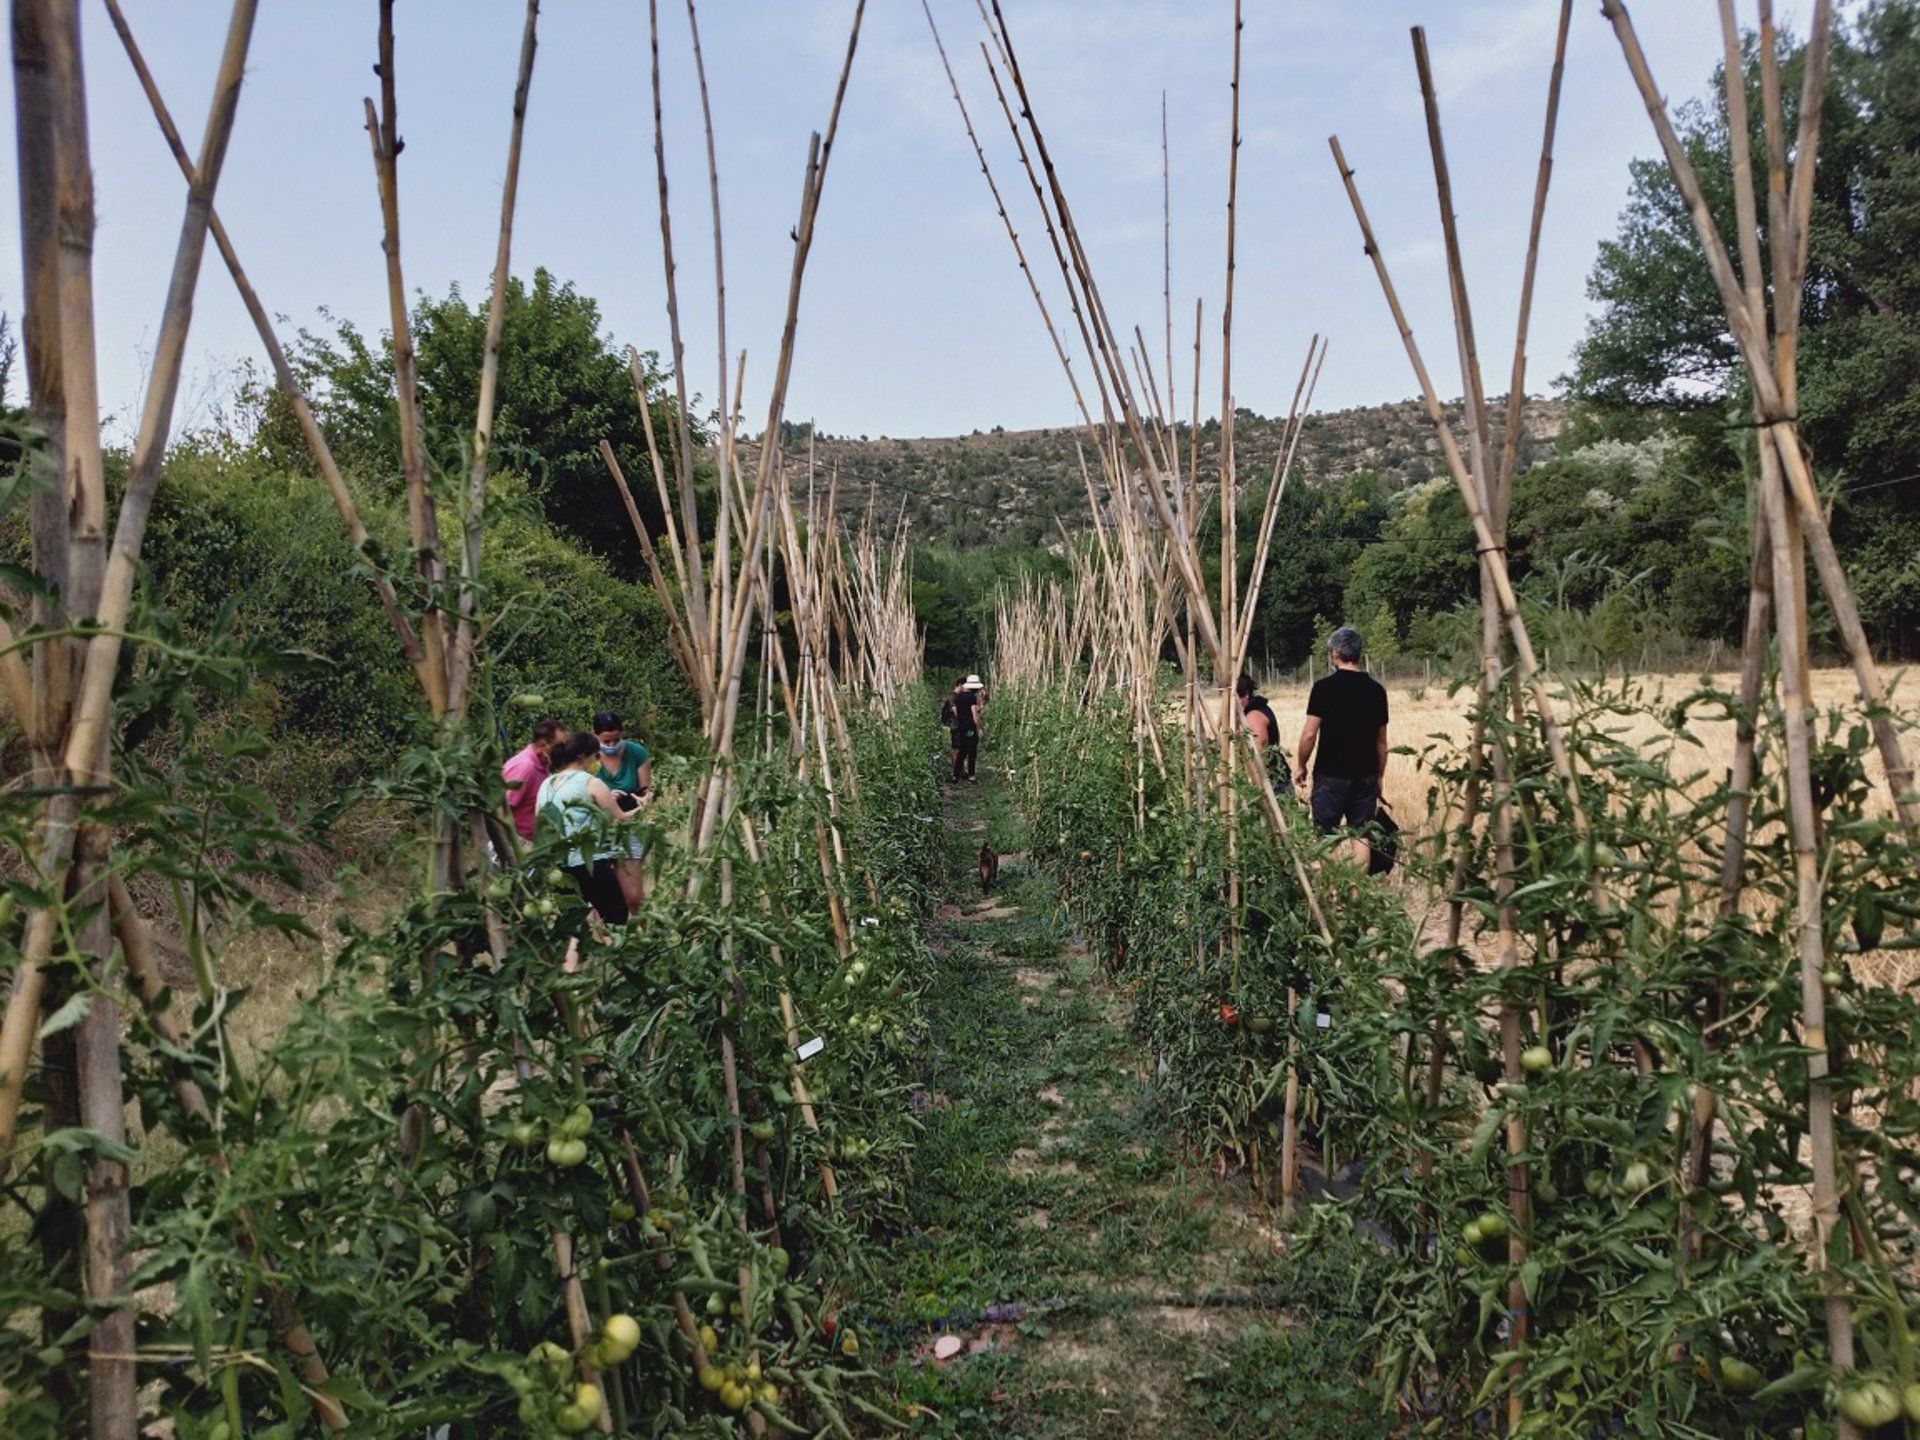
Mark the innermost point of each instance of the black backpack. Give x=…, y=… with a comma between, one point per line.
x=946, y=712
x=1384, y=842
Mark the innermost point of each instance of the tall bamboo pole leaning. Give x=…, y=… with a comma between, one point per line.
x=1507, y=949
x=1740, y=773
x=461, y=665
x=422, y=521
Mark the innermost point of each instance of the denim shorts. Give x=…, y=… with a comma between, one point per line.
x=1344, y=800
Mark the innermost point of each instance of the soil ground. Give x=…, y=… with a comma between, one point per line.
x=1096, y=1283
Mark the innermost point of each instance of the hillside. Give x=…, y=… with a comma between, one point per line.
x=1001, y=485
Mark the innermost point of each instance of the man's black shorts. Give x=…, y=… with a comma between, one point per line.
x=1342, y=800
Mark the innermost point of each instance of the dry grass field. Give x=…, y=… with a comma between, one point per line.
x=1423, y=715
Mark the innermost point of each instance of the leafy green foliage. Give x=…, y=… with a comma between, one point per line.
x=564, y=386
x=239, y=544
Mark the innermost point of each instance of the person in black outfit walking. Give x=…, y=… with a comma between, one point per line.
x=1347, y=722
x=961, y=715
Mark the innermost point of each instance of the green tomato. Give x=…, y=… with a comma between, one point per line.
x=564, y=1154
x=621, y=1211
x=1635, y=1179
x=481, y=1212
x=523, y=1134
x=1738, y=1376
x=1536, y=1060
x=620, y=1336
x=585, y=1409
x=552, y=1358
x=1910, y=1402
x=579, y=1121
x=1493, y=1225
x=1870, y=1402
x=763, y=1130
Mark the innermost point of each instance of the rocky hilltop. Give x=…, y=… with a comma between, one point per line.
x=1001, y=485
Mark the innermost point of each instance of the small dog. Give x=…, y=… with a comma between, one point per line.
x=989, y=868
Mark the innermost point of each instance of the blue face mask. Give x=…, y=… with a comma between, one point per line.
x=613, y=749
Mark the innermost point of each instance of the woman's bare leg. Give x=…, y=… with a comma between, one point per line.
x=633, y=881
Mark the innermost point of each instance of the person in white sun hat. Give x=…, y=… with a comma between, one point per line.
x=961, y=715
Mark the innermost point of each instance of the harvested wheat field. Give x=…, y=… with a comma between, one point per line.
x=1424, y=715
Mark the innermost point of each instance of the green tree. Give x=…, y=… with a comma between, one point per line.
x=564, y=386
x=1659, y=334
x=1320, y=533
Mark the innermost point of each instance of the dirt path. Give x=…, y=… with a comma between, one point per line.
x=1095, y=1286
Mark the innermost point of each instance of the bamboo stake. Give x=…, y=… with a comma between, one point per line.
x=1517, y=378
x=1529, y=667
x=382, y=131
x=695, y=588
x=44, y=715
x=475, y=518
x=85, y=751
x=1773, y=397
x=676, y=629
x=1507, y=946
x=1754, y=644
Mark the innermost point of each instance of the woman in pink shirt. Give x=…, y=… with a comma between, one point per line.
x=524, y=772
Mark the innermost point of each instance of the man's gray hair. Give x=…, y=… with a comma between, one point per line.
x=1345, y=644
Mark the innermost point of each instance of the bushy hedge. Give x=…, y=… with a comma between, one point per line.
x=237, y=544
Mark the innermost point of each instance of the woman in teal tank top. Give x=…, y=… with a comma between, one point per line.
x=627, y=770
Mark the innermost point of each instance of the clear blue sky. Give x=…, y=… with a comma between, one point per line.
x=915, y=320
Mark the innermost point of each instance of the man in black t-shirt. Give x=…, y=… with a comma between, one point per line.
x=1347, y=720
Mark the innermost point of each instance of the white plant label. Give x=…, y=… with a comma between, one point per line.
x=807, y=1049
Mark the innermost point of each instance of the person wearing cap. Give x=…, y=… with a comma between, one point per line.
x=962, y=716
x=625, y=768
x=1347, y=722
